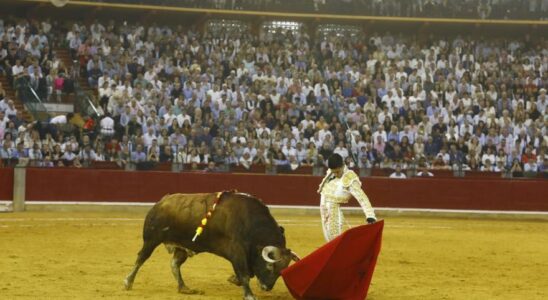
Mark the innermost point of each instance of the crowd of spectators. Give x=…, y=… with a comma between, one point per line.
x=474, y=9
x=27, y=58
x=285, y=99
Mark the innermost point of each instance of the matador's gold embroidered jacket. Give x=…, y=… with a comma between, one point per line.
x=340, y=190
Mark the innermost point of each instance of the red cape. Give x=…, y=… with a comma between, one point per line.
x=340, y=269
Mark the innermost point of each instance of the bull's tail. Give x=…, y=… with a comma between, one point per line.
x=151, y=240
x=149, y=227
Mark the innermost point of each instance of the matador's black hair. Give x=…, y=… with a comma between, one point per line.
x=335, y=161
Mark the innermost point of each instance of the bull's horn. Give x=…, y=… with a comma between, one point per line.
x=269, y=251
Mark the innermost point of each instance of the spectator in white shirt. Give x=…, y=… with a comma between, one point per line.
x=246, y=160
x=17, y=69
x=380, y=132
x=149, y=136
x=398, y=174
x=531, y=166
x=107, y=126
x=341, y=150
x=424, y=172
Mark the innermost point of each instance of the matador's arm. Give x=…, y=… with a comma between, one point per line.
x=351, y=181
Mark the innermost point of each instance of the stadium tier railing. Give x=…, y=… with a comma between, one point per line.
x=31, y=100
x=84, y=103
x=333, y=12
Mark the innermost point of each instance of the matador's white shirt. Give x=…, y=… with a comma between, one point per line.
x=336, y=190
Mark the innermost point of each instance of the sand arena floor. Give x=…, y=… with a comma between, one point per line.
x=87, y=255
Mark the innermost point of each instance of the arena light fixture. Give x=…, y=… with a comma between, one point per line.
x=59, y=3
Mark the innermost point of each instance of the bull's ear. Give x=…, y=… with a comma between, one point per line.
x=295, y=257
x=282, y=229
x=292, y=255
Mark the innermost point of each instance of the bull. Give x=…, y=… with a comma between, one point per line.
x=240, y=229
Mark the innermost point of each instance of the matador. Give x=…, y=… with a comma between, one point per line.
x=336, y=188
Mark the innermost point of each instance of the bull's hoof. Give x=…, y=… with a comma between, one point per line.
x=234, y=280
x=127, y=285
x=250, y=297
x=185, y=290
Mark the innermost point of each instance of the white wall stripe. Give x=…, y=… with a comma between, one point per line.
x=305, y=207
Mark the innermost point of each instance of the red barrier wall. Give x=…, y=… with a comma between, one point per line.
x=6, y=183
x=444, y=193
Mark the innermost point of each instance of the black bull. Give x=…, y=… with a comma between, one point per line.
x=241, y=229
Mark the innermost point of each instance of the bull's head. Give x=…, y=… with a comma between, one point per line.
x=269, y=266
